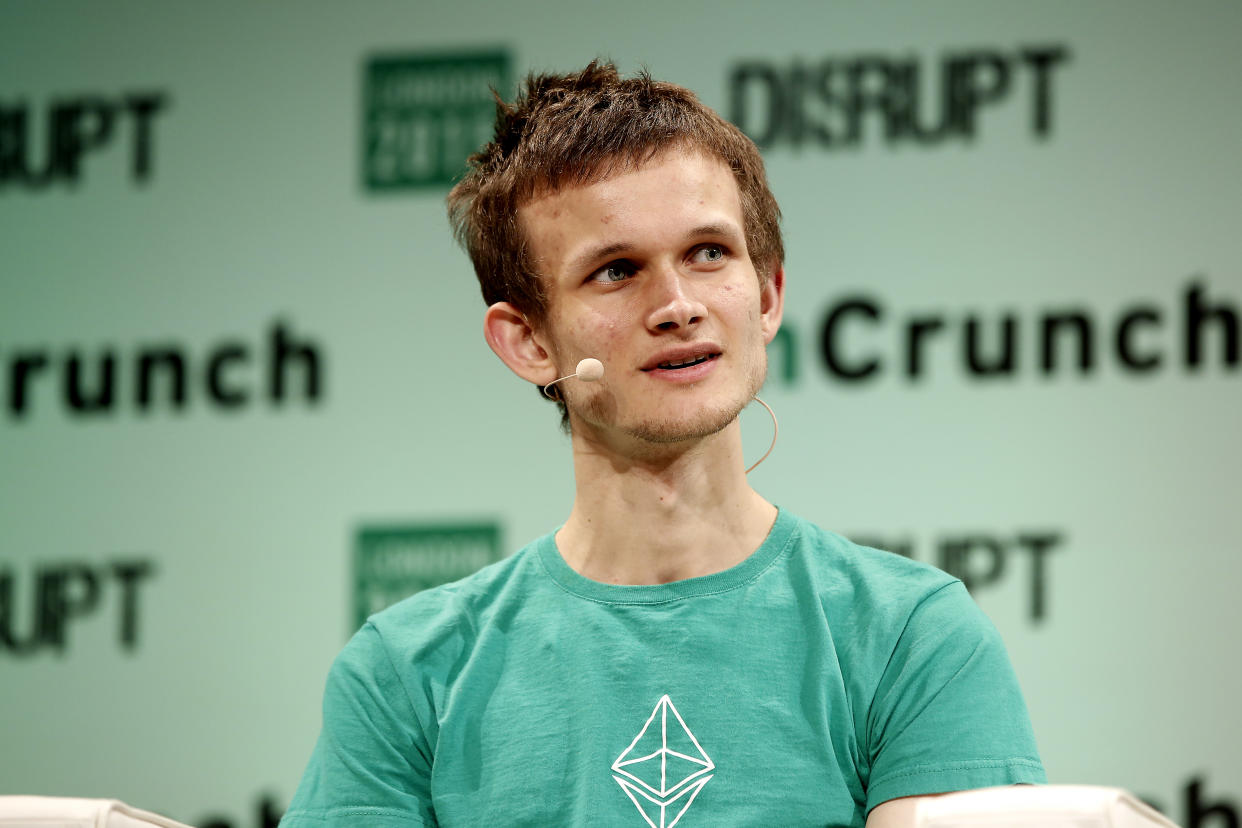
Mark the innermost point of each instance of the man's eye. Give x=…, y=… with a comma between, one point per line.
x=710, y=254
x=613, y=272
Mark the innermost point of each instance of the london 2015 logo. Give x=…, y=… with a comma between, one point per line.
x=396, y=560
x=424, y=114
x=664, y=768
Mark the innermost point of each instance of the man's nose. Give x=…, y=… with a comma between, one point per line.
x=674, y=304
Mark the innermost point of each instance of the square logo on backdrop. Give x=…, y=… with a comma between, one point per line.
x=423, y=115
x=393, y=562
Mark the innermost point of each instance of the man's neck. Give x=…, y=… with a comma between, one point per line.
x=680, y=513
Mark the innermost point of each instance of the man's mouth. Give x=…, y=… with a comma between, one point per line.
x=675, y=366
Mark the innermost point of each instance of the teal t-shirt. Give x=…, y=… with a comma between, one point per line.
x=802, y=687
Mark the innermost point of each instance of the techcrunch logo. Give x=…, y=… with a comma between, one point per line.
x=267, y=814
x=861, y=340
x=986, y=560
x=836, y=102
x=229, y=375
x=72, y=128
x=1200, y=809
x=65, y=593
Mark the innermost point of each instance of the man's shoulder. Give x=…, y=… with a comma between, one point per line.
x=453, y=612
x=838, y=564
x=870, y=594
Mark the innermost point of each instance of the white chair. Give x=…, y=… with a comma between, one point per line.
x=68, y=812
x=1039, y=806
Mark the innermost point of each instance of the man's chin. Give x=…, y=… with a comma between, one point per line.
x=679, y=429
x=675, y=423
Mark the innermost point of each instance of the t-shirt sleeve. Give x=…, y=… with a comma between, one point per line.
x=371, y=765
x=947, y=714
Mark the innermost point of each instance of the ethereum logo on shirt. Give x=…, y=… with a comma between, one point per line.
x=664, y=768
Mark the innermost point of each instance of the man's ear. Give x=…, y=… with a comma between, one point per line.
x=772, y=303
x=511, y=336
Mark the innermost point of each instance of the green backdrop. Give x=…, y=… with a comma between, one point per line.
x=1014, y=280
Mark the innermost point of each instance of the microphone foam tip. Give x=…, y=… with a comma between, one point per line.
x=590, y=369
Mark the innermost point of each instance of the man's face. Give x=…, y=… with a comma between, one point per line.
x=648, y=272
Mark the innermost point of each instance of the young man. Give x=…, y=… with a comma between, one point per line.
x=680, y=652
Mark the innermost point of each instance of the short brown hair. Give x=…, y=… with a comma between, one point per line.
x=581, y=128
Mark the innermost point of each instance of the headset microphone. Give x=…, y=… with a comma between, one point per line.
x=589, y=370
x=776, y=431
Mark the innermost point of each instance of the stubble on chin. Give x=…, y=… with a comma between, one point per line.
x=601, y=408
x=704, y=423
